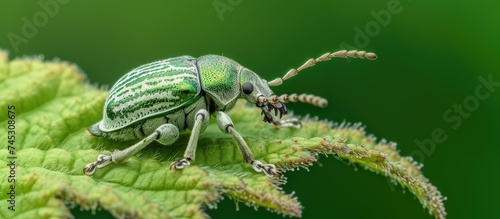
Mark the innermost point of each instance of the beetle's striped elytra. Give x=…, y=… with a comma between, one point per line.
x=155, y=101
x=152, y=89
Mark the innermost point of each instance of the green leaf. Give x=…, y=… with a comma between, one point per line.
x=54, y=106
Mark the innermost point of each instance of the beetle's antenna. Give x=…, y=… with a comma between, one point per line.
x=305, y=98
x=325, y=57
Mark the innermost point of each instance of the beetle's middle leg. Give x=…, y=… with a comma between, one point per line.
x=166, y=134
x=201, y=120
x=226, y=126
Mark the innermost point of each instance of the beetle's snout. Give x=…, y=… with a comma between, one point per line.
x=267, y=107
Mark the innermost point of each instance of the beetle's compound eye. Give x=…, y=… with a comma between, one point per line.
x=247, y=88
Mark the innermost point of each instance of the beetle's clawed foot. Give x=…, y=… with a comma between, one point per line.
x=269, y=169
x=181, y=163
x=267, y=108
x=102, y=161
x=89, y=169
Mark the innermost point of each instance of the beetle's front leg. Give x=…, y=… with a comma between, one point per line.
x=287, y=123
x=279, y=109
x=201, y=120
x=226, y=125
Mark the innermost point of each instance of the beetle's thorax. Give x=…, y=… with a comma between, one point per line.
x=219, y=77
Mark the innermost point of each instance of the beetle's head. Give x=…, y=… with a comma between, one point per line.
x=256, y=91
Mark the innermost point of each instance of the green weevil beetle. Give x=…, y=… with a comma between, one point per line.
x=157, y=100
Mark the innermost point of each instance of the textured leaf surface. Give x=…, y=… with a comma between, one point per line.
x=54, y=106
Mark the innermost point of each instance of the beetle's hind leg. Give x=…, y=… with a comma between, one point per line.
x=226, y=125
x=201, y=120
x=166, y=134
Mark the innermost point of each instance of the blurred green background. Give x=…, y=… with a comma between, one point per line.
x=430, y=57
